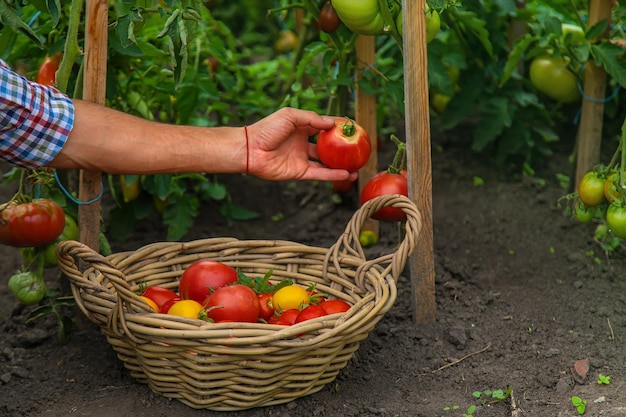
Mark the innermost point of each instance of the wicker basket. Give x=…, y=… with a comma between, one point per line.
x=236, y=366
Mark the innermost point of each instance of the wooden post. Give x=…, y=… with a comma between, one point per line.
x=365, y=115
x=590, y=129
x=417, y=121
x=94, y=86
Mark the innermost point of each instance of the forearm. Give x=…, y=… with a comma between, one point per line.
x=106, y=140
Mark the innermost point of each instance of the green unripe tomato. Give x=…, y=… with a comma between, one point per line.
x=28, y=287
x=362, y=17
x=69, y=233
x=551, y=76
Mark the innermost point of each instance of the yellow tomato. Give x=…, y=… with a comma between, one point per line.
x=292, y=296
x=187, y=308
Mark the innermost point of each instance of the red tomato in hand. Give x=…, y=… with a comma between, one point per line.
x=203, y=277
x=385, y=183
x=310, y=312
x=36, y=223
x=233, y=303
x=160, y=295
x=345, y=146
x=48, y=70
x=334, y=306
x=266, y=311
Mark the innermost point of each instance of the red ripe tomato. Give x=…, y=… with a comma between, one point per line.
x=343, y=187
x=334, y=306
x=286, y=318
x=165, y=308
x=385, y=183
x=346, y=146
x=160, y=295
x=266, y=311
x=36, y=223
x=310, y=312
x=233, y=303
x=328, y=20
x=203, y=277
x=48, y=69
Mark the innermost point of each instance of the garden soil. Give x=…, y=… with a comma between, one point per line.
x=525, y=297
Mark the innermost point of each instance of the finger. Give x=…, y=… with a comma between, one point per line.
x=312, y=152
x=318, y=172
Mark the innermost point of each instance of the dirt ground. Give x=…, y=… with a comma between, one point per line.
x=522, y=291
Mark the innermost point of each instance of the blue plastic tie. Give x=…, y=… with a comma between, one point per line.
x=71, y=197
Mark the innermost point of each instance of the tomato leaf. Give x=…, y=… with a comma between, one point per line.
x=611, y=58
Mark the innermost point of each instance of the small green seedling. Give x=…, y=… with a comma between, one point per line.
x=470, y=411
x=454, y=407
x=604, y=379
x=580, y=404
x=492, y=397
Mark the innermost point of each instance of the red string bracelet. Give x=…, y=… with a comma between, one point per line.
x=245, y=129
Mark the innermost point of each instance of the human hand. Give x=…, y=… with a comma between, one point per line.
x=279, y=148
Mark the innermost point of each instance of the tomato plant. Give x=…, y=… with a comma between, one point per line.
x=292, y=296
x=46, y=74
x=35, y=223
x=591, y=189
x=203, y=277
x=616, y=220
x=552, y=76
x=187, y=308
x=160, y=295
x=237, y=303
x=345, y=146
x=335, y=306
x=70, y=232
x=28, y=287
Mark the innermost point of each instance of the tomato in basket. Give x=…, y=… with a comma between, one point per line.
x=335, y=306
x=160, y=295
x=203, y=277
x=187, y=308
x=292, y=296
x=310, y=312
x=286, y=318
x=266, y=310
x=233, y=303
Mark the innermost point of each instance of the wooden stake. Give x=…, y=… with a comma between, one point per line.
x=417, y=121
x=365, y=115
x=590, y=129
x=94, y=86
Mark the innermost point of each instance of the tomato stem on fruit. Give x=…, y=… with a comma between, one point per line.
x=348, y=128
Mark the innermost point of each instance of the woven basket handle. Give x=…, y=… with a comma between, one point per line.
x=349, y=241
x=69, y=250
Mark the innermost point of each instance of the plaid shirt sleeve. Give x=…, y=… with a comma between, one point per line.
x=35, y=120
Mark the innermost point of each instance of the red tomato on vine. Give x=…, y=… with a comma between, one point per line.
x=35, y=223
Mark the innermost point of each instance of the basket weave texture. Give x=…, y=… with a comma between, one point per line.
x=236, y=366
